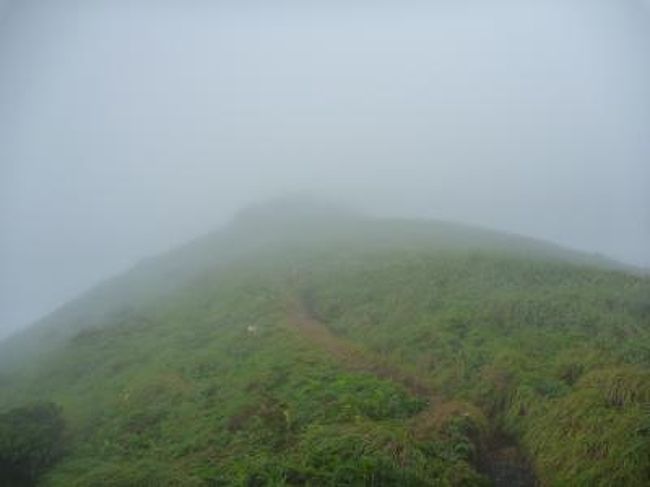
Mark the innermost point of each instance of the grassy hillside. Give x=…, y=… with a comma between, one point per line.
x=321, y=348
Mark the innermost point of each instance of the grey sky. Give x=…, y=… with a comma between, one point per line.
x=128, y=127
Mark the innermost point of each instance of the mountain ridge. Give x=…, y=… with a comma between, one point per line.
x=273, y=226
x=267, y=224
x=342, y=350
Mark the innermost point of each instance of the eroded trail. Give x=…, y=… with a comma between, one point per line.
x=500, y=460
x=353, y=357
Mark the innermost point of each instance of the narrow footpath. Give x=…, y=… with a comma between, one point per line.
x=500, y=460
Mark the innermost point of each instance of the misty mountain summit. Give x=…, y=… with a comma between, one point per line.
x=304, y=344
x=296, y=209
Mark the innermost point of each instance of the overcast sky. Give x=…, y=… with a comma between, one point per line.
x=127, y=127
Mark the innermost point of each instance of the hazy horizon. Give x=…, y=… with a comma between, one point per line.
x=129, y=128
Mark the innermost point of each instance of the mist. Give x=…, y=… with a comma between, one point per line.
x=127, y=128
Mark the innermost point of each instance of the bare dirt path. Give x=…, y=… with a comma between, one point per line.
x=353, y=357
x=500, y=460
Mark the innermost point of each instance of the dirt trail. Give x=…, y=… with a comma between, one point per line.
x=500, y=460
x=353, y=357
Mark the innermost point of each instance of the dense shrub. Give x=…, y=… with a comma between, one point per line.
x=30, y=442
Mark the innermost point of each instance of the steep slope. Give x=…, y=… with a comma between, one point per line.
x=315, y=347
x=277, y=226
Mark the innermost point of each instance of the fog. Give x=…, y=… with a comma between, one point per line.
x=128, y=127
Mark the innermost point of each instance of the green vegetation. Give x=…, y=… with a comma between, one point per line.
x=30, y=442
x=343, y=351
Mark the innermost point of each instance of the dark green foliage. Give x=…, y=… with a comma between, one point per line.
x=30, y=442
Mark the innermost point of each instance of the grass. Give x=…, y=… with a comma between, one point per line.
x=210, y=382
